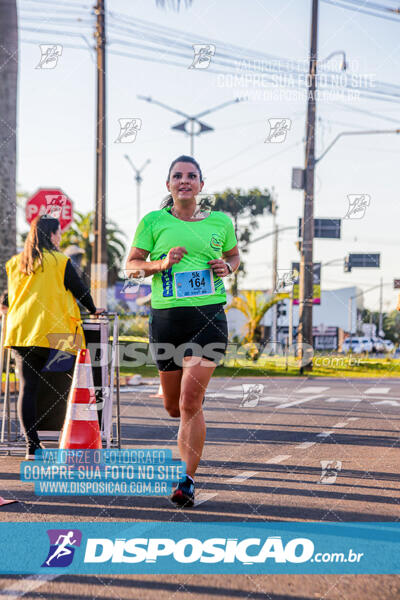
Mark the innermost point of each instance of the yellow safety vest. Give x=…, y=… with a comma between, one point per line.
x=41, y=311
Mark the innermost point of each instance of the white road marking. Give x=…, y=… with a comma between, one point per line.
x=312, y=389
x=203, y=497
x=28, y=584
x=353, y=418
x=272, y=399
x=242, y=477
x=305, y=445
x=324, y=434
x=388, y=402
x=377, y=390
x=277, y=459
x=295, y=402
x=343, y=399
x=137, y=388
x=233, y=388
x=339, y=425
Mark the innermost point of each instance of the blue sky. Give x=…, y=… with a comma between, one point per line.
x=56, y=123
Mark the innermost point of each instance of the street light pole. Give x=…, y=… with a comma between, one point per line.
x=99, y=253
x=306, y=260
x=191, y=138
x=190, y=120
x=274, y=274
x=138, y=179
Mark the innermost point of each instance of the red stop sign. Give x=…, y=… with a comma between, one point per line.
x=50, y=202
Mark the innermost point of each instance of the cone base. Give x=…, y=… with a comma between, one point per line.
x=81, y=435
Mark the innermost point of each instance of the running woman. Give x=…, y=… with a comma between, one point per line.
x=190, y=253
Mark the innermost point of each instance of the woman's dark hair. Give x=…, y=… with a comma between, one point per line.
x=38, y=239
x=168, y=201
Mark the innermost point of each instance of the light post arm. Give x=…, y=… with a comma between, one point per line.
x=174, y=110
x=210, y=110
x=343, y=133
x=272, y=233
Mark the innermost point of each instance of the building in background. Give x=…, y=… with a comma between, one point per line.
x=330, y=318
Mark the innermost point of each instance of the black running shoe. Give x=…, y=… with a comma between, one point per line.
x=183, y=495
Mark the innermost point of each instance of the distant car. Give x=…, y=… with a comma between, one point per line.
x=388, y=345
x=377, y=345
x=367, y=344
x=352, y=345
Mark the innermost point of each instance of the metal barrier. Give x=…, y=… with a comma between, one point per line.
x=53, y=395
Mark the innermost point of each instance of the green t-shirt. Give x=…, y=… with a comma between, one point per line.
x=204, y=240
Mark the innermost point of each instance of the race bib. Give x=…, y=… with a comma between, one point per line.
x=194, y=283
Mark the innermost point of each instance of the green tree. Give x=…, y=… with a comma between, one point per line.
x=81, y=234
x=253, y=305
x=244, y=208
x=390, y=323
x=391, y=326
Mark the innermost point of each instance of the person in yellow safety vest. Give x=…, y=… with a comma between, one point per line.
x=42, y=314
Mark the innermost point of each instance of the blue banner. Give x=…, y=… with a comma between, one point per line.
x=103, y=472
x=208, y=548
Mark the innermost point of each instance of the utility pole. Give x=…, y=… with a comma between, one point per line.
x=306, y=260
x=380, y=328
x=138, y=179
x=291, y=318
x=99, y=254
x=274, y=331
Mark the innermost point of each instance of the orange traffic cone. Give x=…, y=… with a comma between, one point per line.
x=81, y=427
x=159, y=393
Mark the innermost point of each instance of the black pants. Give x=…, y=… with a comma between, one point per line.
x=30, y=361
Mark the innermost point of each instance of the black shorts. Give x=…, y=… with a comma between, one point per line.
x=187, y=331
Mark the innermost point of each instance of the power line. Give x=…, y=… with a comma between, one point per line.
x=265, y=159
x=150, y=34
x=341, y=4
x=60, y=3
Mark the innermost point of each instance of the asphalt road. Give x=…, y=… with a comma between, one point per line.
x=262, y=462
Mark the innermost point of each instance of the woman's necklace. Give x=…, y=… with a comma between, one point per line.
x=197, y=214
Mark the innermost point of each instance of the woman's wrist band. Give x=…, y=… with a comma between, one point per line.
x=229, y=267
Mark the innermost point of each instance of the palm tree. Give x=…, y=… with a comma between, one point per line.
x=253, y=305
x=81, y=234
x=8, y=127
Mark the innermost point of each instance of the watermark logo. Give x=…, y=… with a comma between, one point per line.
x=251, y=394
x=132, y=284
x=285, y=279
x=204, y=205
x=128, y=129
x=278, y=129
x=50, y=53
x=203, y=54
x=329, y=471
x=62, y=547
x=63, y=347
x=55, y=204
x=358, y=204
